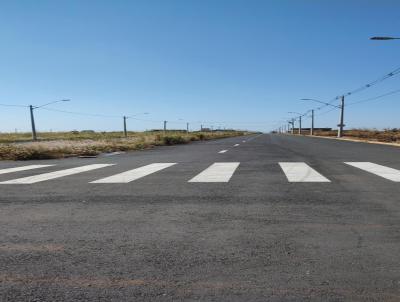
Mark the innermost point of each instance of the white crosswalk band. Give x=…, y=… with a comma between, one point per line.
x=382, y=171
x=301, y=172
x=134, y=174
x=217, y=172
x=55, y=174
x=23, y=168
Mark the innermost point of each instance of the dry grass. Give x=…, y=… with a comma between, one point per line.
x=66, y=144
x=387, y=135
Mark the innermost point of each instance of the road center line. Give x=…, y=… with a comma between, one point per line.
x=134, y=174
x=235, y=145
x=382, y=171
x=223, y=151
x=56, y=174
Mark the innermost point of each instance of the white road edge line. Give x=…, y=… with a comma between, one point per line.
x=382, y=171
x=301, y=172
x=217, y=172
x=134, y=174
x=55, y=174
x=223, y=151
x=23, y=168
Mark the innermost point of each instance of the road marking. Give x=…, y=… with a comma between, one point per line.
x=217, y=172
x=382, y=171
x=134, y=174
x=243, y=141
x=56, y=174
x=301, y=172
x=223, y=151
x=24, y=168
x=235, y=145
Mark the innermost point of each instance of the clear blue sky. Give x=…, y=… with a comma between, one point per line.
x=241, y=64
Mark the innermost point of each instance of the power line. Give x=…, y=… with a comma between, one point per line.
x=375, y=98
x=10, y=105
x=81, y=113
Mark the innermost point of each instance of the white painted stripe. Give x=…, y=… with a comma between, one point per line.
x=217, y=172
x=235, y=145
x=223, y=151
x=382, y=171
x=243, y=141
x=301, y=172
x=24, y=168
x=134, y=174
x=56, y=174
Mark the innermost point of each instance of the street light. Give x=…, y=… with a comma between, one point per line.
x=341, y=118
x=187, y=125
x=131, y=116
x=300, y=115
x=31, y=108
x=384, y=38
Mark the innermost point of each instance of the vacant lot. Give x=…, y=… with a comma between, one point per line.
x=387, y=136
x=19, y=146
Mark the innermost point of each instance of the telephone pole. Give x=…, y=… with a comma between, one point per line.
x=187, y=127
x=341, y=124
x=165, y=126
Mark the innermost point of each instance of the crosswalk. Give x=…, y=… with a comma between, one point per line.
x=134, y=174
x=301, y=172
x=219, y=172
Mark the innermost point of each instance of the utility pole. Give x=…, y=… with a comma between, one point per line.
x=187, y=127
x=125, y=133
x=341, y=124
x=201, y=128
x=34, y=137
x=165, y=126
x=300, y=125
x=312, y=122
x=293, y=126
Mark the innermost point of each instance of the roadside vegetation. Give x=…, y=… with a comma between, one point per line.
x=386, y=136
x=50, y=145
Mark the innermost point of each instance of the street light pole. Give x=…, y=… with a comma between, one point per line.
x=128, y=117
x=341, y=124
x=34, y=136
x=31, y=108
x=312, y=122
x=300, y=125
x=293, y=120
x=125, y=132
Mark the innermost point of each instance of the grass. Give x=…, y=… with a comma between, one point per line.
x=50, y=145
x=387, y=135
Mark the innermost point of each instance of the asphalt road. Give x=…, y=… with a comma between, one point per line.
x=274, y=218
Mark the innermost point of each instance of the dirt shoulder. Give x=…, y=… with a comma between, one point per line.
x=61, y=145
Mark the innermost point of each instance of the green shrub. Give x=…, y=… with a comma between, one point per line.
x=174, y=140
